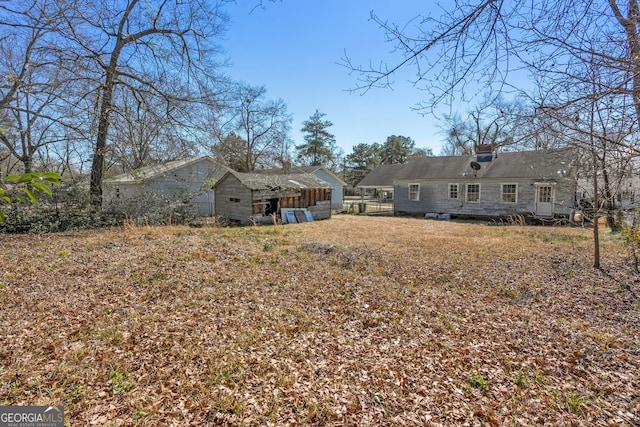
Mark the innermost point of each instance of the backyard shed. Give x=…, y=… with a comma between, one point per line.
x=187, y=180
x=245, y=198
x=320, y=172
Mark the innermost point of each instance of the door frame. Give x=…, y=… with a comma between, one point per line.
x=545, y=208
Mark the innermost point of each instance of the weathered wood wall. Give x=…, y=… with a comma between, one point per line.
x=236, y=202
x=434, y=198
x=233, y=200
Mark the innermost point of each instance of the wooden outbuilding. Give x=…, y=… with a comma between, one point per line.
x=320, y=172
x=247, y=198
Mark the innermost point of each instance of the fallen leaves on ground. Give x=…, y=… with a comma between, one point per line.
x=351, y=321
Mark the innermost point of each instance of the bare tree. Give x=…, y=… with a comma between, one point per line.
x=145, y=132
x=601, y=129
x=458, y=137
x=498, y=44
x=496, y=123
x=34, y=83
x=262, y=124
x=161, y=49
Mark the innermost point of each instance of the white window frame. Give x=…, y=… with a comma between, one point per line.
x=417, y=193
x=502, y=193
x=549, y=195
x=457, y=187
x=466, y=192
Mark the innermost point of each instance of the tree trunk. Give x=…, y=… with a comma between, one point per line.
x=610, y=202
x=596, y=209
x=106, y=104
x=630, y=25
x=97, y=165
x=27, y=161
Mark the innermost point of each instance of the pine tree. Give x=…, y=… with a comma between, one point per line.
x=320, y=144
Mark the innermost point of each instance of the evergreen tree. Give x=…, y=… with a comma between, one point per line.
x=319, y=148
x=365, y=157
x=397, y=149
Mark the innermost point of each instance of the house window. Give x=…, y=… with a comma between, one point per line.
x=473, y=193
x=509, y=193
x=414, y=192
x=544, y=194
x=454, y=191
x=234, y=199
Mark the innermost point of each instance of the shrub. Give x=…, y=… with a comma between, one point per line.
x=69, y=208
x=66, y=209
x=630, y=232
x=151, y=210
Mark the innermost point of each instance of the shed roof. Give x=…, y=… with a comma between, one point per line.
x=271, y=181
x=153, y=171
x=304, y=169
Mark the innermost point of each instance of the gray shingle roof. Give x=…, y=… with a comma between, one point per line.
x=539, y=164
x=303, y=169
x=264, y=181
x=381, y=176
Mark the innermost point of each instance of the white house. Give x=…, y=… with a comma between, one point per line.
x=538, y=183
x=188, y=180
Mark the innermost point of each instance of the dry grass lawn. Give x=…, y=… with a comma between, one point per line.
x=352, y=321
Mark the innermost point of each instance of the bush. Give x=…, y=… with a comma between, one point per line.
x=151, y=210
x=630, y=232
x=66, y=209
x=69, y=209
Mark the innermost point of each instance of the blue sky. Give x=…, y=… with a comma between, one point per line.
x=293, y=48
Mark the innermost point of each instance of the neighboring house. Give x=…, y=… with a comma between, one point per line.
x=184, y=180
x=326, y=175
x=245, y=198
x=534, y=183
x=381, y=181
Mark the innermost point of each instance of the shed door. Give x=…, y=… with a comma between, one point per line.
x=544, y=200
